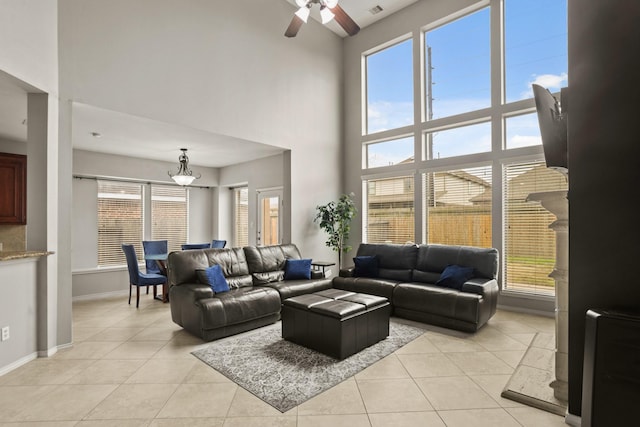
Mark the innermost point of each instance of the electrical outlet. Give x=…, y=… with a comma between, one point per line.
x=5, y=333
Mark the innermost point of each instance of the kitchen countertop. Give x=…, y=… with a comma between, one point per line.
x=9, y=255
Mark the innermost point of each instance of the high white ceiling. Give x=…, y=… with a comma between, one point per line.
x=134, y=136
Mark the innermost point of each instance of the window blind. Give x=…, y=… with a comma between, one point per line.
x=169, y=215
x=457, y=207
x=120, y=220
x=390, y=210
x=529, y=250
x=241, y=216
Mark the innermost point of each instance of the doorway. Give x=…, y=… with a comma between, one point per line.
x=269, y=230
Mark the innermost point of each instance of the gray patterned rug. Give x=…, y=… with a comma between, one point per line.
x=284, y=374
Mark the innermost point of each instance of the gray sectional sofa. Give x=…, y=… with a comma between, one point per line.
x=407, y=276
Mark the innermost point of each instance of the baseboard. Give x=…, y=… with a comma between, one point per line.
x=22, y=361
x=572, y=420
x=99, y=296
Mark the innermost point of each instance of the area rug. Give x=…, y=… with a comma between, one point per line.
x=284, y=374
x=529, y=383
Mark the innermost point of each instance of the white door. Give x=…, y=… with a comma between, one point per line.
x=269, y=230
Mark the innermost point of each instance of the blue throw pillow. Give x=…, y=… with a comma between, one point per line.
x=365, y=266
x=454, y=276
x=216, y=279
x=297, y=269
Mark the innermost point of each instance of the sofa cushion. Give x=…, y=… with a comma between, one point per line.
x=395, y=262
x=365, y=266
x=267, y=277
x=437, y=301
x=454, y=276
x=237, y=306
x=270, y=258
x=297, y=269
x=213, y=277
x=435, y=258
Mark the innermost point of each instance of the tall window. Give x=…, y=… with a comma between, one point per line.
x=389, y=76
x=529, y=253
x=169, y=215
x=476, y=120
x=241, y=216
x=390, y=210
x=535, y=46
x=458, y=207
x=458, y=66
x=120, y=221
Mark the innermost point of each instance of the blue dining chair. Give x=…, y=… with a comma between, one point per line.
x=154, y=247
x=188, y=246
x=218, y=243
x=136, y=278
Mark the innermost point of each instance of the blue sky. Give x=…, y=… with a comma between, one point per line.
x=536, y=52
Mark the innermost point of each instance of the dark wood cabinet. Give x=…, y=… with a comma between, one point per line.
x=13, y=189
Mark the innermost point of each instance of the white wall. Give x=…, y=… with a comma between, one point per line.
x=28, y=52
x=223, y=67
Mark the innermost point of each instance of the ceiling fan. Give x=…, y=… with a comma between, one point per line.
x=329, y=10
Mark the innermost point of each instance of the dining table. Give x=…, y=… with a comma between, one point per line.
x=161, y=260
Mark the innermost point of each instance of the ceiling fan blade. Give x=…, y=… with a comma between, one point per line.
x=345, y=20
x=294, y=26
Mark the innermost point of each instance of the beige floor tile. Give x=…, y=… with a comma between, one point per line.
x=388, y=367
x=407, y=419
x=540, y=358
x=187, y=422
x=358, y=420
x=280, y=421
x=87, y=350
x=45, y=371
x=397, y=395
x=203, y=373
x=510, y=357
x=479, y=363
x=458, y=392
x=494, y=340
x=245, y=404
x=82, y=334
x=454, y=344
x=513, y=327
x=116, y=334
x=133, y=401
x=135, y=350
x=419, y=346
x=429, y=365
x=41, y=424
x=344, y=398
x=106, y=371
x=531, y=417
x=493, y=385
x=523, y=338
x=479, y=418
x=162, y=371
x=205, y=400
x=66, y=402
x=112, y=423
x=153, y=333
x=16, y=399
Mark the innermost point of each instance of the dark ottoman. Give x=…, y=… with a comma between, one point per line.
x=335, y=322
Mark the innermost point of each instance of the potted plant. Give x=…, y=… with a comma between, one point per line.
x=335, y=218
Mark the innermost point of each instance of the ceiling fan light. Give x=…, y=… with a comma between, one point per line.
x=302, y=3
x=303, y=13
x=331, y=3
x=326, y=14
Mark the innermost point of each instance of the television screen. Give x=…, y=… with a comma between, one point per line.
x=553, y=128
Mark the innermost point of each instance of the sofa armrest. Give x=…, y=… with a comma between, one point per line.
x=480, y=286
x=346, y=272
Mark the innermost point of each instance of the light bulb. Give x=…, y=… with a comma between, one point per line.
x=303, y=13
x=331, y=3
x=183, y=179
x=326, y=14
x=302, y=3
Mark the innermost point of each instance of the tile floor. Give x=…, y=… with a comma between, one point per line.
x=131, y=367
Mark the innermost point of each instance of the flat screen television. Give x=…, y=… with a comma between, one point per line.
x=552, y=119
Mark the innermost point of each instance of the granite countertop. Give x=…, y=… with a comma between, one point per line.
x=9, y=255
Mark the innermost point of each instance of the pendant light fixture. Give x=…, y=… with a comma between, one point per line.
x=185, y=175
